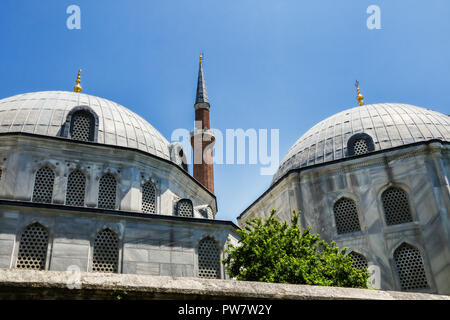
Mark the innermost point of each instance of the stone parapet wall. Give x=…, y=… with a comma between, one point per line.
x=24, y=284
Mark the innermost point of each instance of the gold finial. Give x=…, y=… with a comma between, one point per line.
x=78, y=87
x=359, y=97
x=201, y=57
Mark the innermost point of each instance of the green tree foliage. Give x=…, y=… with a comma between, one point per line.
x=270, y=251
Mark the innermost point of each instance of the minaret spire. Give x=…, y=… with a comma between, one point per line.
x=202, y=94
x=202, y=138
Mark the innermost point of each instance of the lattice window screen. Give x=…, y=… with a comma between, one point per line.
x=410, y=268
x=43, y=185
x=360, y=147
x=359, y=261
x=346, y=216
x=106, y=252
x=33, y=248
x=81, y=128
x=185, y=208
x=107, y=192
x=148, y=198
x=76, y=189
x=396, y=206
x=208, y=259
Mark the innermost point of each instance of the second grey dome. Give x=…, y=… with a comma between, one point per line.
x=388, y=124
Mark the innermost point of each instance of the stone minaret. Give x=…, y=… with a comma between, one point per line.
x=202, y=138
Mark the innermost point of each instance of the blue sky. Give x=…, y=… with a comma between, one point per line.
x=268, y=64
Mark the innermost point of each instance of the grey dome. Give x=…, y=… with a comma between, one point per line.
x=388, y=124
x=45, y=113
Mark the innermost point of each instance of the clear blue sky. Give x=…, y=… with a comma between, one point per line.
x=268, y=64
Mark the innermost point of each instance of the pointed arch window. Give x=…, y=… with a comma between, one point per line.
x=149, y=198
x=107, y=192
x=359, y=261
x=396, y=206
x=346, y=216
x=106, y=252
x=76, y=189
x=410, y=268
x=33, y=248
x=185, y=208
x=208, y=259
x=44, y=182
x=82, y=126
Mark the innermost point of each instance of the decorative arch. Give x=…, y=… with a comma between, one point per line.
x=107, y=192
x=149, y=197
x=76, y=188
x=44, y=182
x=396, y=206
x=81, y=124
x=410, y=267
x=105, y=256
x=359, y=260
x=208, y=258
x=33, y=247
x=360, y=143
x=346, y=216
x=185, y=208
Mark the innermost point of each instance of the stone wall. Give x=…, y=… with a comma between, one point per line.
x=22, y=284
x=148, y=244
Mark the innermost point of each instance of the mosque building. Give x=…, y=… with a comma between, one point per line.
x=375, y=179
x=86, y=183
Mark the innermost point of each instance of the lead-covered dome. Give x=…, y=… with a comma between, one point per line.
x=46, y=113
x=387, y=124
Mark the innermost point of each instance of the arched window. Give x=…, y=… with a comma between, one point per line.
x=359, y=261
x=410, y=268
x=208, y=259
x=346, y=216
x=107, y=192
x=148, y=198
x=106, y=252
x=396, y=206
x=43, y=185
x=360, y=147
x=82, y=126
x=360, y=143
x=185, y=208
x=76, y=189
x=33, y=248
